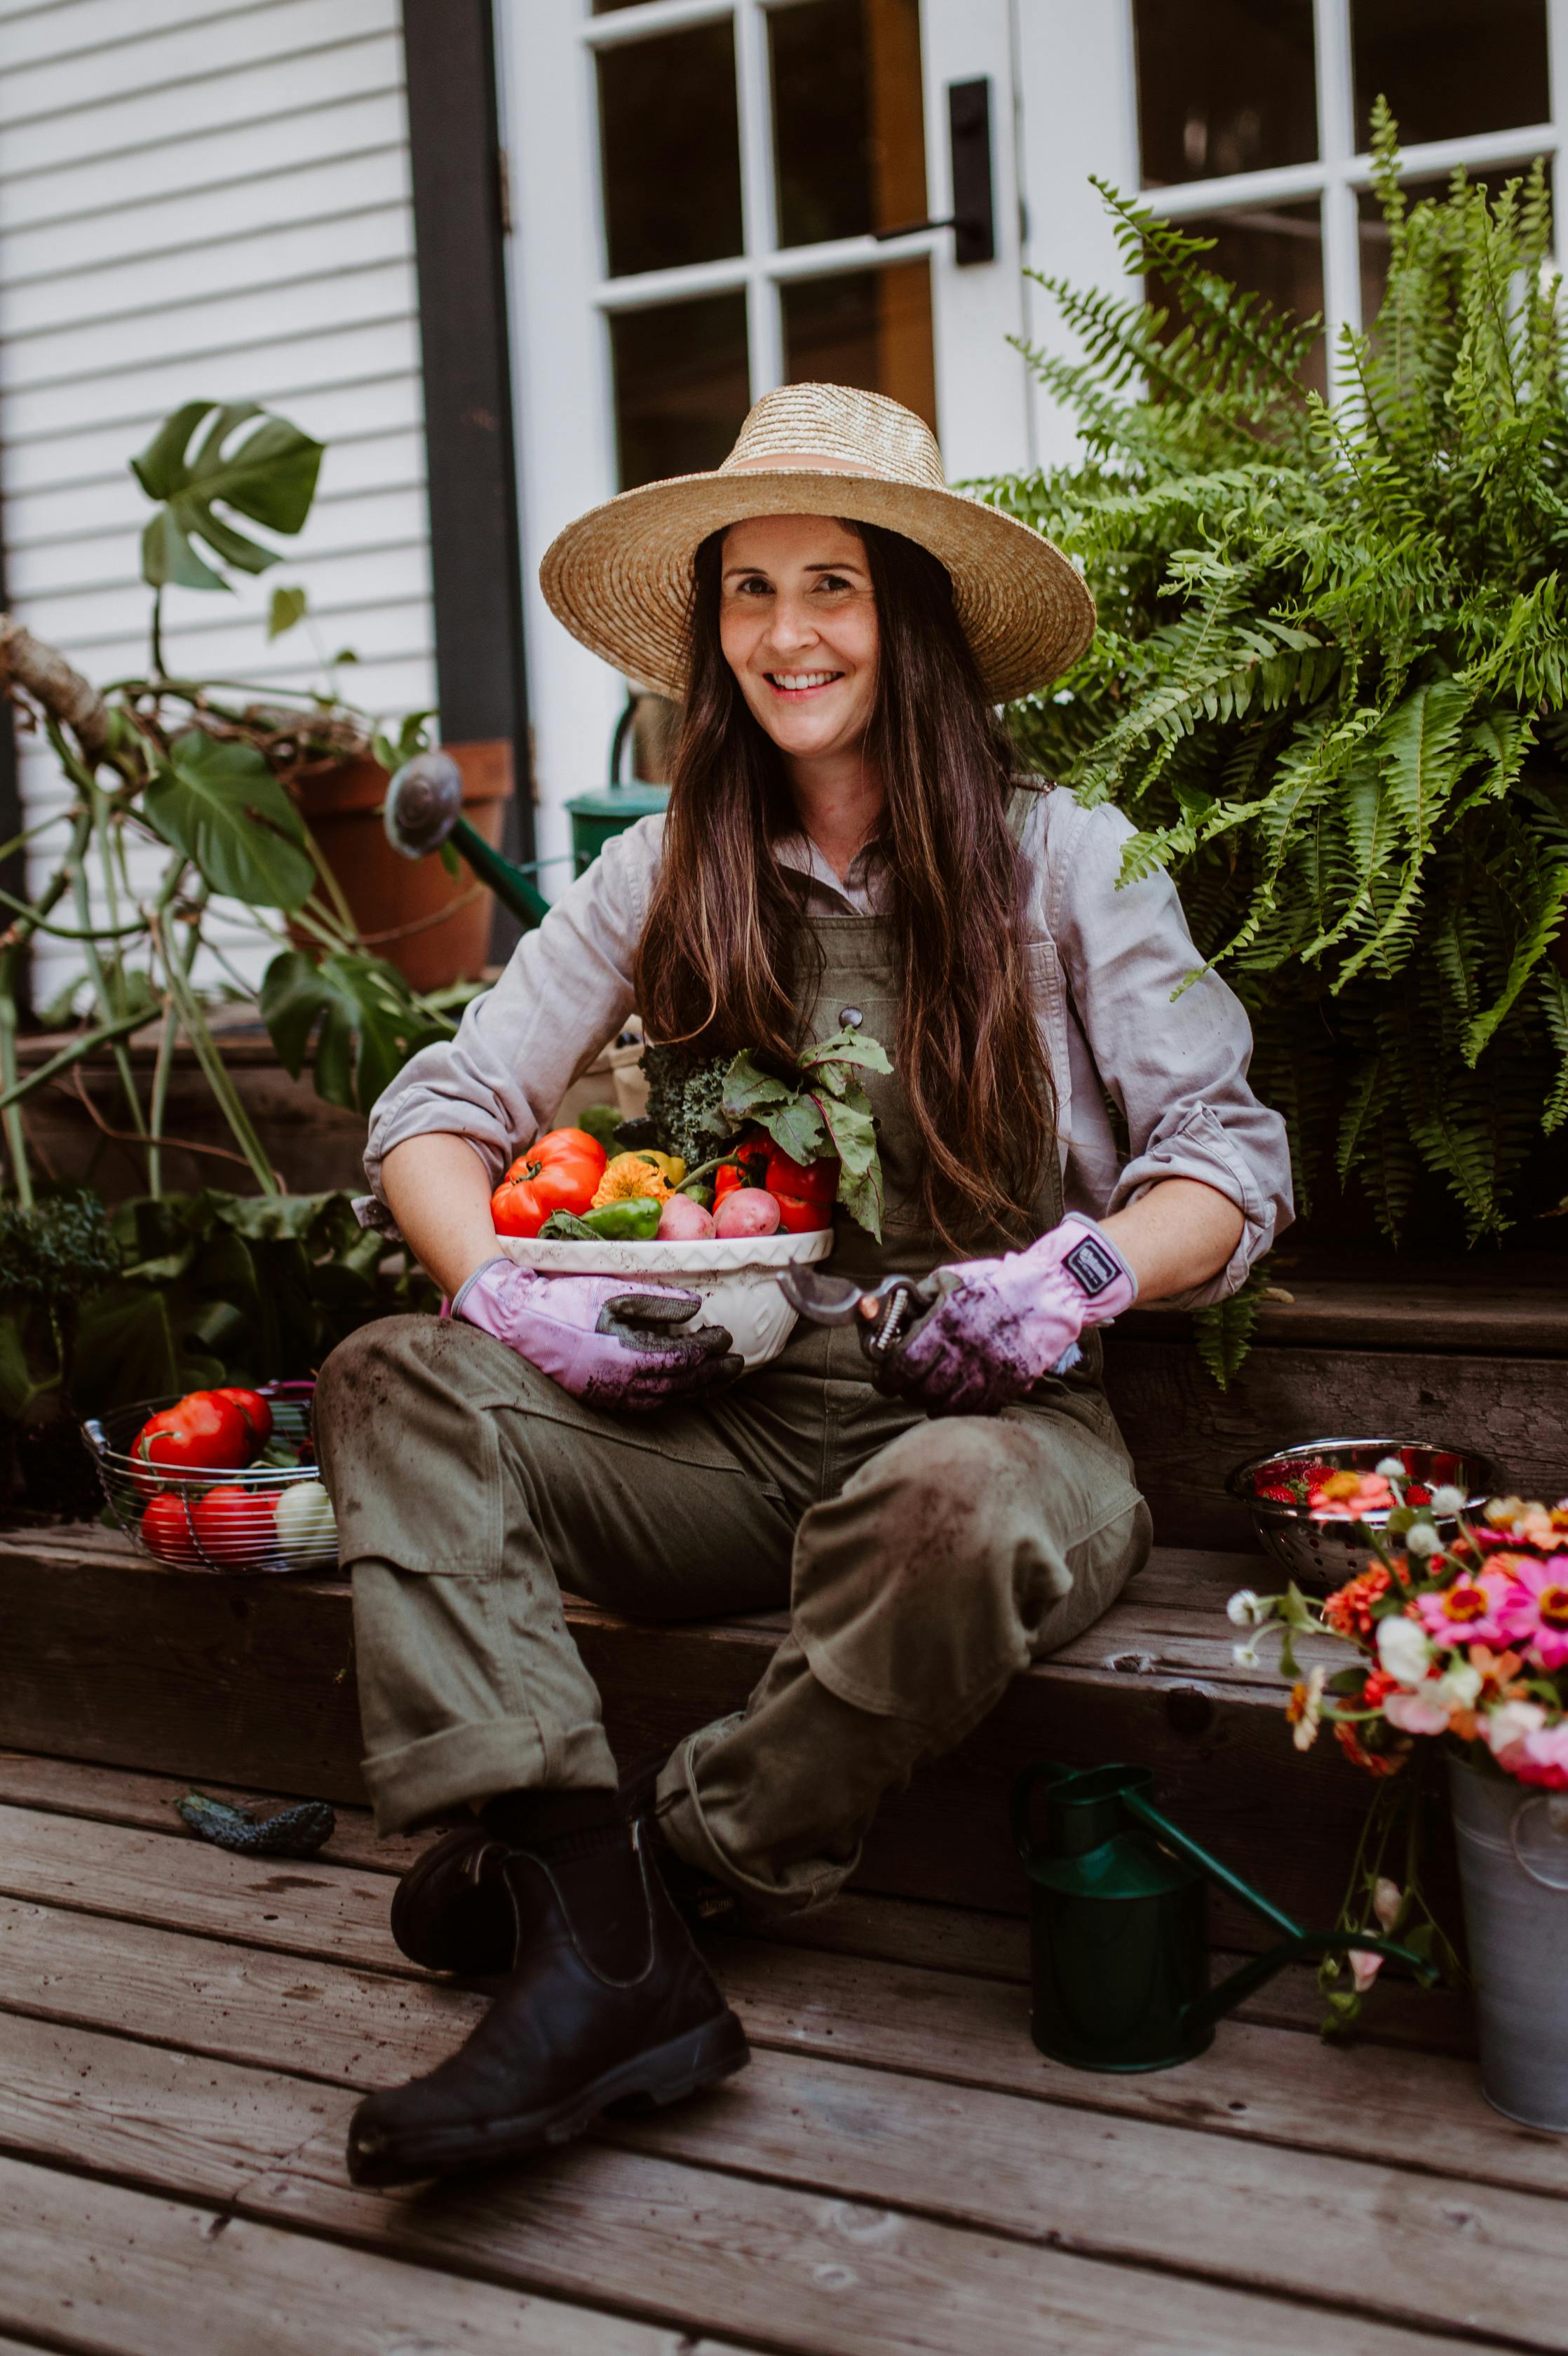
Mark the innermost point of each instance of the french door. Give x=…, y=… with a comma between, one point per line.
x=713, y=197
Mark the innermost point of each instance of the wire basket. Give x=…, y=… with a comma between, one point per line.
x=210, y=1520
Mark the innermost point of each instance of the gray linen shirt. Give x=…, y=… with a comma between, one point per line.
x=1108, y=965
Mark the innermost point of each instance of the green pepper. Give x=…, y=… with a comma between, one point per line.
x=634, y=1220
x=601, y=1121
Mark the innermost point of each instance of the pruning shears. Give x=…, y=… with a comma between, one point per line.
x=881, y=1313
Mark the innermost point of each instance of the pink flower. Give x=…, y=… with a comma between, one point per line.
x=1417, y=1713
x=1349, y=1496
x=1535, y=1610
x=1540, y=1756
x=1469, y=1612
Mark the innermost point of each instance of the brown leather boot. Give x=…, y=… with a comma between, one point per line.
x=606, y=1998
x=450, y=1912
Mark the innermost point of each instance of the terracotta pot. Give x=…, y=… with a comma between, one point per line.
x=435, y=927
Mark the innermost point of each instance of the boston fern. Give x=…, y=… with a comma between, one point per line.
x=1331, y=685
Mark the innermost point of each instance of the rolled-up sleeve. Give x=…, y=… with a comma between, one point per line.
x=1175, y=1059
x=566, y=992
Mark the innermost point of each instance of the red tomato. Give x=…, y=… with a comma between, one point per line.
x=563, y=1145
x=560, y=1172
x=255, y=1409
x=205, y=1433
x=165, y=1531
x=234, y=1524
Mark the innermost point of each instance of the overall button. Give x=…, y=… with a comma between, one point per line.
x=850, y=1018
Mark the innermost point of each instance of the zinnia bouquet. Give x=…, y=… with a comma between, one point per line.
x=1463, y=1636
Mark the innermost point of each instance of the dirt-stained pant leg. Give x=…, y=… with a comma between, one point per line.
x=953, y=1557
x=468, y=1488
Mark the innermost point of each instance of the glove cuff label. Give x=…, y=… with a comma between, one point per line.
x=1093, y=1268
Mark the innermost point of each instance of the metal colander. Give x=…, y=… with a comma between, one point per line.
x=220, y=1521
x=1320, y=1550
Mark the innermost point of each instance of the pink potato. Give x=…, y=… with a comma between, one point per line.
x=748, y=1210
x=682, y=1221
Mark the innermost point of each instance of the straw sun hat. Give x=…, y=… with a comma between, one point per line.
x=620, y=577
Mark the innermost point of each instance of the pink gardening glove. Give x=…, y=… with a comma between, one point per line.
x=995, y=1326
x=625, y=1347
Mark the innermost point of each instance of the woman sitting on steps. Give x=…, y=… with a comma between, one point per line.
x=845, y=844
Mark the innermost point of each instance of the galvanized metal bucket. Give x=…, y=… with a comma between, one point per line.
x=1513, y=1867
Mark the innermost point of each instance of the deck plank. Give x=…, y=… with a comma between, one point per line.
x=103, y=2269
x=863, y=2268
x=251, y=1680
x=62, y=1866
x=362, y=2025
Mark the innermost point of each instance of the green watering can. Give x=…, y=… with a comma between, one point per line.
x=423, y=809
x=1119, y=1928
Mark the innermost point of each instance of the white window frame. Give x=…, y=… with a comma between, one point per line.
x=563, y=301
x=1341, y=172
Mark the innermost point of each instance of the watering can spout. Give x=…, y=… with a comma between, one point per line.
x=1118, y=1904
x=423, y=809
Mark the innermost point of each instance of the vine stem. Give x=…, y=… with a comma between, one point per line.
x=104, y=1036
x=18, y=935
x=194, y=1023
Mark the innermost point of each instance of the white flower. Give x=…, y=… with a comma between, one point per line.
x=1420, y=1538
x=1392, y=1469
x=1246, y=1609
x=1387, y=1900
x=1448, y=1500
x=1458, y=1687
x=1510, y=1723
x=1245, y=1657
x=1403, y=1649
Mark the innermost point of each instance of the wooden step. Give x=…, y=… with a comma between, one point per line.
x=1470, y=1353
x=251, y=1681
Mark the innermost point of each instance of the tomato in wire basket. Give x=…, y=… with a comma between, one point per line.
x=255, y=1409
x=204, y=1433
x=236, y=1526
x=165, y=1530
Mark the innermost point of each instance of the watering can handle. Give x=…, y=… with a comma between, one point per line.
x=1040, y=1770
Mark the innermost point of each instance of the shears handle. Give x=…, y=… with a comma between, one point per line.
x=886, y=1316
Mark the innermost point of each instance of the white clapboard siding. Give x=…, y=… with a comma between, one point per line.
x=208, y=203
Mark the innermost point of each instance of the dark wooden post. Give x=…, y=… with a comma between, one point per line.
x=460, y=232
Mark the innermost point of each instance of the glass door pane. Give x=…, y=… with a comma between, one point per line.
x=848, y=123
x=680, y=385
x=669, y=149
x=1275, y=250
x=1224, y=86
x=1450, y=66
x=867, y=328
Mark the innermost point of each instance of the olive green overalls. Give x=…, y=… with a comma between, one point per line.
x=924, y=1562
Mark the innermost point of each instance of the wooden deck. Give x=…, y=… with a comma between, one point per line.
x=183, y=2035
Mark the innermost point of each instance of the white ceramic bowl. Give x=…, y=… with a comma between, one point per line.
x=737, y=1276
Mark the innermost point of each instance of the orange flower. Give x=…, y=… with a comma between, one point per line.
x=1376, y=1762
x=1348, y=1611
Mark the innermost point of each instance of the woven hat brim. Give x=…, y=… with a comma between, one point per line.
x=620, y=578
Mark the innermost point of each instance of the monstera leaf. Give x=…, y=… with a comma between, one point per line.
x=370, y=1025
x=268, y=476
x=218, y=802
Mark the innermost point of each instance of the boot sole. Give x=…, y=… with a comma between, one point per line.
x=663, y=2074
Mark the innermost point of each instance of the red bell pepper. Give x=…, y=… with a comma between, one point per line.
x=806, y=1190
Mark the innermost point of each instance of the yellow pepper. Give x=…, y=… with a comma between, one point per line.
x=633, y=1174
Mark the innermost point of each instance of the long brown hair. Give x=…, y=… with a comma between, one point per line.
x=724, y=958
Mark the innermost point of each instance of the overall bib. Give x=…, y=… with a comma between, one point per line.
x=924, y=1563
